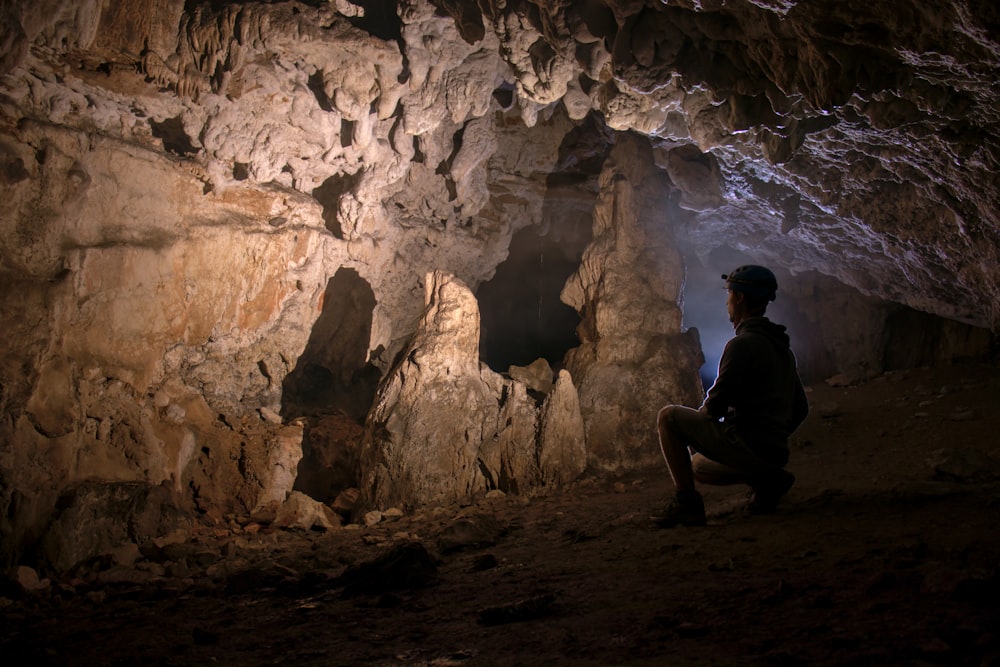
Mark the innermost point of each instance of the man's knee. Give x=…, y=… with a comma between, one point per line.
x=664, y=418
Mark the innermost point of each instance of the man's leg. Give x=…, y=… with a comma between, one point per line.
x=675, y=425
x=767, y=485
x=675, y=451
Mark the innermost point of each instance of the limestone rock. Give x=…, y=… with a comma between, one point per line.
x=562, y=455
x=345, y=501
x=443, y=428
x=425, y=429
x=301, y=511
x=633, y=358
x=537, y=375
x=185, y=181
x=964, y=464
x=27, y=578
x=96, y=518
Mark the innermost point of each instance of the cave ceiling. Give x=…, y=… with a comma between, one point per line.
x=856, y=138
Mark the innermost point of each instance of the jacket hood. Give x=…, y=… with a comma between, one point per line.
x=765, y=327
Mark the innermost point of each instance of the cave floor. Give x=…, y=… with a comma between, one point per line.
x=885, y=552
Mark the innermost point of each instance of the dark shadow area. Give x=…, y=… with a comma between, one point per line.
x=379, y=20
x=175, y=139
x=332, y=376
x=522, y=316
x=317, y=87
x=914, y=339
x=468, y=18
x=333, y=387
x=328, y=195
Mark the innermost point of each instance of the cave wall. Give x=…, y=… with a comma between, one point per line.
x=221, y=219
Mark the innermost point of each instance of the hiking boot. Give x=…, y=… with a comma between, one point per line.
x=687, y=509
x=767, y=490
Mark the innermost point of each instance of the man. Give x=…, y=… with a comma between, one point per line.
x=740, y=433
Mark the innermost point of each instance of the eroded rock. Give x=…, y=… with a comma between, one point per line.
x=445, y=427
x=183, y=183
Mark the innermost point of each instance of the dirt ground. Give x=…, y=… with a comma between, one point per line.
x=885, y=552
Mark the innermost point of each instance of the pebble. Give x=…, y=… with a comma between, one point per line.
x=963, y=415
x=270, y=416
x=28, y=579
x=829, y=410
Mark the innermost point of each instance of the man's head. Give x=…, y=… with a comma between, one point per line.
x=751, y=288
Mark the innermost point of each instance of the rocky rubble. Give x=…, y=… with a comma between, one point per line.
x=868, y=536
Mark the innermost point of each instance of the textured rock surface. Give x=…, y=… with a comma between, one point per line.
x=218, y=216
x=632, y=351
x=445, y=427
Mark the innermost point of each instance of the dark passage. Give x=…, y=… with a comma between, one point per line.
x=332, y=376
x=522, y=316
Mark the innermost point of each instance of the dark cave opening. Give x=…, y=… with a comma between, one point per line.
x=333, y=375
x=521, y=315
x=379, y=18
x=333, y=386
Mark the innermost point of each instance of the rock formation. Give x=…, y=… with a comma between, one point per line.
x=445, y=426
x=219, y=218
x=628, y=289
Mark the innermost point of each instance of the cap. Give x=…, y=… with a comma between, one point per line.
x=753, y=280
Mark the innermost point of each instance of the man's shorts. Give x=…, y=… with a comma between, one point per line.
x=718, y=444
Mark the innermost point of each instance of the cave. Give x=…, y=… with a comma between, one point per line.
x=337, y=332
x=523, y=319
x=333, y=374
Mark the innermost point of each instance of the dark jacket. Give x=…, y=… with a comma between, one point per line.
x=758, y=389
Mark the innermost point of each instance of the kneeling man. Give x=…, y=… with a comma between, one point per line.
x=740, y=433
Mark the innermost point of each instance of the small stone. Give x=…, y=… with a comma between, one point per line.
x=178, y=536
x=392, y=514
x=495, y=493
x=963, y=415
x=266, y=513
x=829, y=410
x=27, y=579
x=523, y=610
x=346, y=500
x=270, y=416
x=126, y=554
x=96, y=597
x=485, y=562
x=964, y=465
x=301, y=511
x=372, y=518
x=177, y=569
x=844, y=379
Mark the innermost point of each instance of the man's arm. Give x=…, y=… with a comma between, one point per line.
x=718, y=399
x=800, y=407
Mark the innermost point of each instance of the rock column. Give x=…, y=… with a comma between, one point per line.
x=633, y=358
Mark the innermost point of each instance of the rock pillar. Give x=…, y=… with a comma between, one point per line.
x=633, y=358
x=446, y=427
